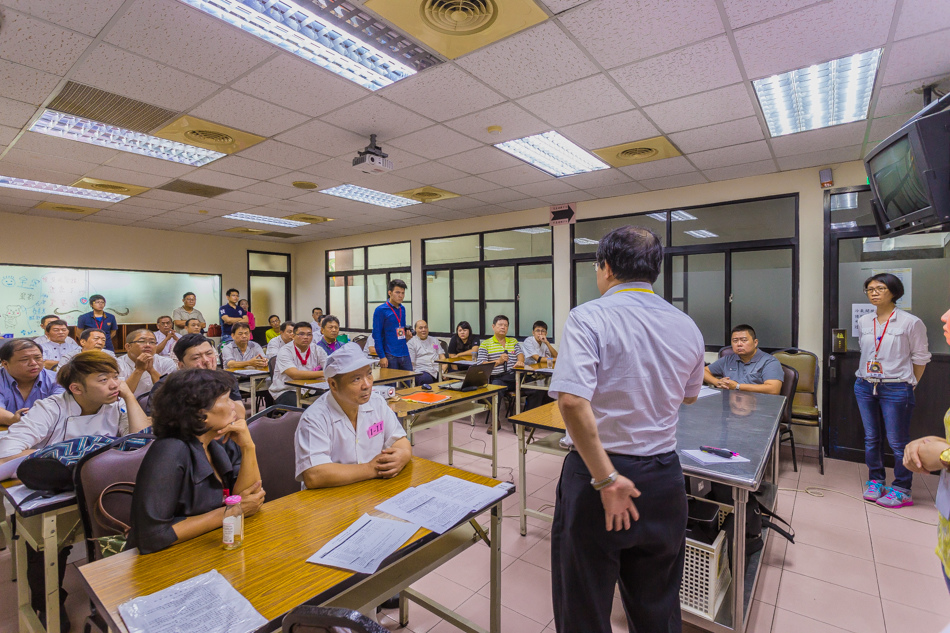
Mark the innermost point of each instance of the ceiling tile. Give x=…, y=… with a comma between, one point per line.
x=435, y=142
x=7, y=134
x=15, y=113
x=557, y=6
x=732, y=155
x=156, y=206
x=20, y=197
x=113, y=69
x=15, y=170
x=98, y=218
x=220, y=179
x=579, y=101
x=442, y=92
x=290, y=81
x=282, y=154
x=177, y=35
x=818, y=140
x=521, y=175
x=147, y=164
x=481, y=160
x=514, y=122
x=458, y=204
x=883, y=127
x=564, y=198
x=612, y=191
x=85, y=16
x=813, y=35
x=545, y=188
x=450, y=214
x=498, y=195
x=293, y=206
x=39, y=44
x=744, y=12
x=703, y=66
x=527, y=203
x=817, y=159
x=915, y=58
x=672, y=182
x=248, y=113
x=601, y=178
x=720, y=135
x=611, y=130
x=375, y=115
x=133, y=211
x=618, y=32
x=295, y=176
x=252, y=199
x=106, y=172
x=223, y=205
x=657, y=168
x=922, y=16
x=324, y=138
x=64, y=148
x=902, y=98
x=741, y=171
x=45, y=161
x=707, y=108
x=172, y=196
x=467, y=185
x=25, y=84
x=246, y=167
x=533, y=60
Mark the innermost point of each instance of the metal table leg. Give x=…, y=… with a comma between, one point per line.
x=519, y=376
x=495, y=574
x=51, y=561
x=299, y=397
x=522, y=480
x=494, y=436
x=740, y=497
x=253, y=396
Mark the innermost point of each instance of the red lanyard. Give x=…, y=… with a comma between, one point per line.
x=303, y=359
x=880, y=340
x=99, y=322
x=398, y=320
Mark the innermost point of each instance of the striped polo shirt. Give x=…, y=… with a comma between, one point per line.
x=491, y=349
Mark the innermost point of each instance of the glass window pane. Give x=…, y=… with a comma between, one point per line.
x=349, y=259
x=356, y=301
x=704, y=283
x=389, y=256
x=268, y=296
x=588, y=232
x=535, y=298
x=495, y=308
x=465, y=283
x=447, y=250
x=533, y=241
x=376, y=289
x=270, y=262
x=737, y=222
x=500, y=283
x=585, y=282
x=337, y=305
x=851, y=210
x=468, y=311
x=407, y=277
x=437, y=301
x=758, y=274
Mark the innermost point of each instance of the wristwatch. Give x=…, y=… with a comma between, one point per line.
x=737, y=387
x=603, y=483
x=945, y=458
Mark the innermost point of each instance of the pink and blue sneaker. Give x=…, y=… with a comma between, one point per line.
x=895, y=499
x=873, y=490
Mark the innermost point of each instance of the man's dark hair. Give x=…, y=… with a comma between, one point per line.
x=634, y=253
x=237, y=327
x=329, y=318
x=538, y=324
x=50, y=325
x=95, y=298
x=183, y=398
x=302, y=324
x=89, y=332
x=500, y=317
x=230, y=290
x=397, y=283
x=48, y=316
x=164, y=316
x=8, y=349
x=273, y=316
x=190, y=320
x=188, y=341
x=285, y=324
x=188, y=294
x=893, y=283
x=83, y=365
x=743, y=328
x=314, y=310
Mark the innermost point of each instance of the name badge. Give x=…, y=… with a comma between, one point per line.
x=400, y=333
x=375, y=429
x=436, y=347
x=873, y=369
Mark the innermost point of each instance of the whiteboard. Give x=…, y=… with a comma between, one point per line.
x=27, y=293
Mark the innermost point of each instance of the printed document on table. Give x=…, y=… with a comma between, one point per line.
x=364, y=545
x=706, y=459
x=708, y=391
x=428, y=510
x=248, y=372
x=475, y=496
x=206, y=603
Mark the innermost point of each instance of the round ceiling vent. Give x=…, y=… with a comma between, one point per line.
x=459, y=17
x=61, y=207
x=209, y=137
x=304, y=184
x=104, y=186
x=427, y=196
x=637, y=153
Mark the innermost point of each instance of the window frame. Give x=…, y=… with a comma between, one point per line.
x=364, y=272
x=287, y=276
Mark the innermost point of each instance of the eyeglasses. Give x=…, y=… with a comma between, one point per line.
x=595, y=265
x=876, y=291
x=145, y=341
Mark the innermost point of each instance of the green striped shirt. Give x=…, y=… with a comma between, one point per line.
x=491, y=349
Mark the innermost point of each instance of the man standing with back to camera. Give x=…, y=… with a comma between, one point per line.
x=628, y=361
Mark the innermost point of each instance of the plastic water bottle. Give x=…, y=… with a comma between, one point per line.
x=233, y=523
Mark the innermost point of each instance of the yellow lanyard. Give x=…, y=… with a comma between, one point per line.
x=637, y=290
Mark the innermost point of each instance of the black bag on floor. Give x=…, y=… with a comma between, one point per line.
x=757, y=518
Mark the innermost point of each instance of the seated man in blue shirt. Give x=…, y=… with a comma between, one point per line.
x=748, y=368
x=23, y=380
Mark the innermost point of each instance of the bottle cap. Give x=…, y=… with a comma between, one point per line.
x=232, y=500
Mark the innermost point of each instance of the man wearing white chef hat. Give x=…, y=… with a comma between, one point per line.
x=349, y=434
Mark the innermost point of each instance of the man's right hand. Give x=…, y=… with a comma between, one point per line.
x=16, y=416
x=384, y=362
x=619, y=510
x=502, y=359
x=143, y=362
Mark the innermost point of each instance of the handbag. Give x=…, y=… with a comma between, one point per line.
x=111, y=544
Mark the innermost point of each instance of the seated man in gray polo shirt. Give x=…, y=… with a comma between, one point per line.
x=748, y=368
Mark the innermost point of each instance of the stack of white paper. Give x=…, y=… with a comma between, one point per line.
x=477, y=495
x=364, y=545
x=443, y=503
x=708, y=391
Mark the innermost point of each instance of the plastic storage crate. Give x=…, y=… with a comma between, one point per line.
x=706, y=577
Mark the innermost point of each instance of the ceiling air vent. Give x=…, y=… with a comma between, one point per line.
x=637, y=152
x=427, y=194
x=207, y=135
x=193, y=188
x=244, y=229
x=304, y=184
x=459, y=17
x=109, y=186
x=306, y=217
x=65, y=208
x=283, y=236
x=99, y=105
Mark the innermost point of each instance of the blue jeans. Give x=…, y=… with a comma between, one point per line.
x=887, y=413
x=399, y=362
x=945, y=577
x=425, y=378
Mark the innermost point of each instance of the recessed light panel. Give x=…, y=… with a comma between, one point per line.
x=585, y=241
x=819, y=96
x=264, y=219
x=552, y=153
x=370, y=196
x=701, y=234
x=675, y=216
x=534, y=230
x=62, y=190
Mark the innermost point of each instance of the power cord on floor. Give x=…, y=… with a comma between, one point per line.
x=818, y=491
x=511, y=470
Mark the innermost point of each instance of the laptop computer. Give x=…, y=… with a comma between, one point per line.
x=476, y=376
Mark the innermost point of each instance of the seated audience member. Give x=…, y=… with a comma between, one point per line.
x=424, y=351
x=58, y=343
x=242, y=352
x=748, y=368
x=94, y=402
x=188, y=311
x=301, y=360
x=203, y=448
x=165, y=338
x=195, y=351
x=538, y=347
x=286, y=336
x=193, y=326
x=246, y=306
x=329, y=330
x=89, y=341
x=326, y=452
x=100, y=320
x=42, y=338
x=502, y=350
x=23, y=379
x=317, y=315
x=462, y=344
x=230, y=314
x=274, y=331
x=140, y=368
x=370, y=347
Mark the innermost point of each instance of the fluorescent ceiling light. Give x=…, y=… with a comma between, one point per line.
x=584, y=241
x=701, y=233
x=307, y=34
x=370, y=196
x=497, y=248
x=76, y=128
x=843, y=201
x=675, y=216
x=533, y=230
x=552, y=153
x=63, y=190
x=819, y=96
x=264, y=219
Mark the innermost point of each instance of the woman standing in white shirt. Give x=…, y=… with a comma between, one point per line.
x=894, y=354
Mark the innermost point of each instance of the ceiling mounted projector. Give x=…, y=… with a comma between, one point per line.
x=373, y=160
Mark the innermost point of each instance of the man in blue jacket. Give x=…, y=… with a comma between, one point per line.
x=389, y=329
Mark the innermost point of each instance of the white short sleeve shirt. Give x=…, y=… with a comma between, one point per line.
x=288, y=358
x=56, y=351
x=274, y=346
x=168, y=351
x=232, y=352
x=532, y=348
x=424, y=354
x=161, y=364
x=325, y=434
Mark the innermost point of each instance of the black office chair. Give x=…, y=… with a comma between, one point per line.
x=726, y=350
x=361, y=340
x=308, y=619
x=789, y=385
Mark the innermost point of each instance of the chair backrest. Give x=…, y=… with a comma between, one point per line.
x=143, y=401
x=361, y=340
x=809, y=370
x=271, y=363
x=726, y=350
x=274, y=441
x=308, y=619
x=789, y=384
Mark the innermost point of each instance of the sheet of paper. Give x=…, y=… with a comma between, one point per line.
x=325, y=386
x=475, y=496
x=709, y=458
x=20, y=492
x=8, y=470
x=364, y=545
x=858, y=310
x=248, y=372
x=206, y=603
x=705, y=391
x=428, y=510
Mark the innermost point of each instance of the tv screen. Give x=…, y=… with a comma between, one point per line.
x=895, y=172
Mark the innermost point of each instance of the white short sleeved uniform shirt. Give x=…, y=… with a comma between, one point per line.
x=275, y=346
x=325, y=434
x=56, y=351
x=424, y=354
x=161, y=364
x=168, y=352
x=288, y=358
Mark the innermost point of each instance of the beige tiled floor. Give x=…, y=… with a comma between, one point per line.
x=854, y=567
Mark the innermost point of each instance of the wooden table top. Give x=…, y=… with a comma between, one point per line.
x=546, y=417
x=381, y=375
x=257, y=372
x=456, y=359
x=271, y=568
x=403, y=408
x=536, y=367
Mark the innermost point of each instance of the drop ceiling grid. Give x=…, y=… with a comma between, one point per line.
x=39, y=44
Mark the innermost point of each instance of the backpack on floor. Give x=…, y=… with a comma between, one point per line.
x=757, y=518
